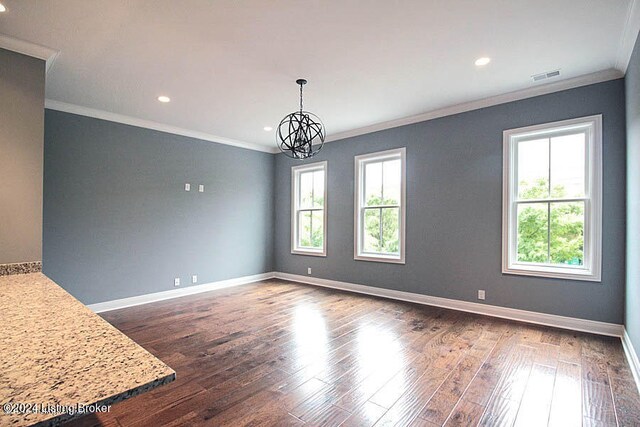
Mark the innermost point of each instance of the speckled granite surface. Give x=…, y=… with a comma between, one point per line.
x=20, y=268
x=55, y=351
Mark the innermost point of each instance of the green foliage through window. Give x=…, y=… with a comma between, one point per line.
x=385, y=238
x=311, y=231
x=550, y=232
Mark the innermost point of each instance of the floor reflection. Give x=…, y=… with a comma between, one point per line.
x=311, y=338
x=379, y=349
x=380, y=353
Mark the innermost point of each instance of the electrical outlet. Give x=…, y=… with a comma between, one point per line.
x=194, y=278
x=176, y=281
x=201, y=188
x=309, y=270
x=481, y=294
x=187, y=187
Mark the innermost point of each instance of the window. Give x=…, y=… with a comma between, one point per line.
x=380, y=206
x=552, y=200
x=308, y=209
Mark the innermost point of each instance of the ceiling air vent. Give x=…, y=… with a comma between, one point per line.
x=544, y=76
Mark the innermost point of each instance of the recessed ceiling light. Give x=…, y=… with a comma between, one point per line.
x=482, y=61
x=2, y=8
x=164, y=99
x=268, y=128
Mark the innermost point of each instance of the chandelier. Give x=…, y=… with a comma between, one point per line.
x=300, y=135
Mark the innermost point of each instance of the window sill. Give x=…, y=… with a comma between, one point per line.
x=552, y=272
x=308, y=252
x=373, y=258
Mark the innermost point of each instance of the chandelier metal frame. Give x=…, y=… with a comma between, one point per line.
x=301, y=134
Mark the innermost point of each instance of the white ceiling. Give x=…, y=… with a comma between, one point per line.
x=230, y=66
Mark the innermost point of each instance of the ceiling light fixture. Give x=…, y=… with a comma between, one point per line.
x=480, y=62
x=300, y=135
x=164, y=99
x=268, y=128
x=2, y=8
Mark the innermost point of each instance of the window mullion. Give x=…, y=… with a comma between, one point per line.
x=297, y=229
x=549, y=232
x=549, y=167
x=311, y=225
x=382, y=206
x=382, y=182
x=549, y=203
x=363, y=188
x=587, y=165
x=313, y=188
x=552, y=200
x=361, y=230
x=299, y=190
x=310, y=209
x=380, y=222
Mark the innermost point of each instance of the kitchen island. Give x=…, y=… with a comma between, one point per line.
x=58, y=358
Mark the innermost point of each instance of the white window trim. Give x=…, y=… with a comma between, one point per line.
x=592, y=269
x=295, y=173
x=358, y=191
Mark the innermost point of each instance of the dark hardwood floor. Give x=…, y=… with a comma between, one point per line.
x=279, y=353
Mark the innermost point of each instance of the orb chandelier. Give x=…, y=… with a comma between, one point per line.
x=300, y=135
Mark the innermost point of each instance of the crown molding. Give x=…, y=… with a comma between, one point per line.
x=629, y=36
x=585, y=80
x=30, y=49
x=148, y=124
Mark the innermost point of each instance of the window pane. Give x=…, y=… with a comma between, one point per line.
x=567, y=233
x=317, y=229
x=390, y=230
x=304, y=229
x=391, y=182
x=371, y=239
x=306, y=189
x=568, y=165
x=388, y=241
x=373, y=184
x=533, y=169
x=318, y=189
x=533, y=226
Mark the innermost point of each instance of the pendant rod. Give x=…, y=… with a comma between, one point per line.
x=301, y=82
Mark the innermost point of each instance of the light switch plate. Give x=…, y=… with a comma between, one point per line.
x=201, y=188
x=187, y=187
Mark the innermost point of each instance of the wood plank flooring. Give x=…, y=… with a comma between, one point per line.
x=283, y=354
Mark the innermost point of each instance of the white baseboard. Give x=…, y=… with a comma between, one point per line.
x=632, y=358
x=583, y=325
x=563, y=322
x=175, y=293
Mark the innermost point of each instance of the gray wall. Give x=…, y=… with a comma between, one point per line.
x=454, y=208
x=21, y=149
x=632, y=312
x=118, y=223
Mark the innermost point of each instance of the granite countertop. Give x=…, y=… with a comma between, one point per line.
x=55, y=352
